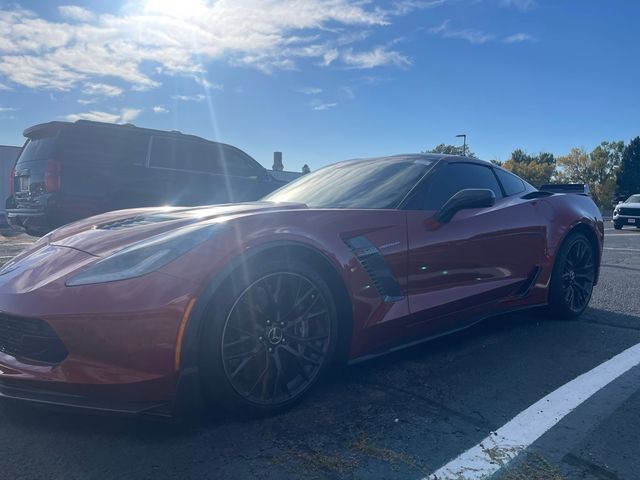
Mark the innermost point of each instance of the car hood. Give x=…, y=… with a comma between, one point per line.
x=628, y=205
x=103, y=234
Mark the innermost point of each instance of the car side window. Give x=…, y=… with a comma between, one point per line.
x=176, y=154
x=512, y=185
x=448, y=180
x=235, y=162
x=108, y=146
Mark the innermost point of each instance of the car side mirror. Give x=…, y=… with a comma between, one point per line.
x=465, y=199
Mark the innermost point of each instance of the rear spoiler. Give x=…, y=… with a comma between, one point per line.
x=575, y=188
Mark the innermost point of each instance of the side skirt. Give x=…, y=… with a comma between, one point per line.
x=419, y=341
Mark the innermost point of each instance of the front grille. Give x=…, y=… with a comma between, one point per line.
x=631, y=212
x=30, y=338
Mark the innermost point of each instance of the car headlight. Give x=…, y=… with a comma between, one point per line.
x=145, y=256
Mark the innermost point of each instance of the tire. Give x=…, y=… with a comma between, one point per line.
x=573, y=277
x=617, y=226
x=268, y=338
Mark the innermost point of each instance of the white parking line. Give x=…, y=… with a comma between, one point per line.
x=502, y=446
x=623, y=249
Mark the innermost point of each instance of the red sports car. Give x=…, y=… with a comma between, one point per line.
x=246, y=305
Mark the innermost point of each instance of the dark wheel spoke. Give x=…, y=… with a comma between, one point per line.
x=243, y=354
x=301, y=356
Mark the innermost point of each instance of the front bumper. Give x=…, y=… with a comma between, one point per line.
x=78, y=402
x=626, y=220
x=121, y=337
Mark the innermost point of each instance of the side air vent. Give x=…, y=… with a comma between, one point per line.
x=376, y=267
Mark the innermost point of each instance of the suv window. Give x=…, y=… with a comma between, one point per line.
x=511, y=184
x=103, y=145
x=177, y=154
x=38, y=149
x=167, y=152
x=448, y=180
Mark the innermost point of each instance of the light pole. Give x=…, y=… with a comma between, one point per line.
x=464, y=145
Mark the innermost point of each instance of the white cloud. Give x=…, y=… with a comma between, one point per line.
x=519, y=38
x=74, y=12
x=189, y=98
x=403, y=7
x=310, y=91
x=126, y=115
x=101, y=89
x=160, y=109
x=179, y=38
x=470, y=35
x=523, y=5
x=324, y=106
x=378, y=57
x=4, y=87
x=206, y=84
x=8, y=109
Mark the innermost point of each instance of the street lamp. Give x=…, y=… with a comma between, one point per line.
x=464, y=145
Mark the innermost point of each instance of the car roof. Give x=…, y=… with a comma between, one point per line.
x=423, y=156
x=56, y=125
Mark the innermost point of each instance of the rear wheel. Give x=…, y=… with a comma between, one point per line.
x=573, y=277
x=270, y=338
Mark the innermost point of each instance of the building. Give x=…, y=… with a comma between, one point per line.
x=8, y=157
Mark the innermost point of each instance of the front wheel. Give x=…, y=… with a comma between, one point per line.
x=269, y=339
x=617, y=226
x=573, y=277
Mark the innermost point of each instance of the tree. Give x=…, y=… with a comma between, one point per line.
x=451, y=150
x=305, y=169
x=597, y=169
x=628, y=181
x=537, y=170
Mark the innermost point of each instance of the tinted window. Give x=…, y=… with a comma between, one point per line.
x=449, y=180
x=167, y=152
x=206, y=157
x=378, y=183
x=103, y=145
x=510, y=182
x=38, y=149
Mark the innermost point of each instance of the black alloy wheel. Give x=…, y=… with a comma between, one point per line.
x=573, y=277
x=274, y=341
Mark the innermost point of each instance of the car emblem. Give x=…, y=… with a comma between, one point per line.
x=275, y=334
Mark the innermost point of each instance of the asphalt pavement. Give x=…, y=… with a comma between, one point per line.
x=402, y=416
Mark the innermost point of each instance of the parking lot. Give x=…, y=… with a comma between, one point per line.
x=401, y=416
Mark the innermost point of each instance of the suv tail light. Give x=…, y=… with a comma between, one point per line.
x=52, y=176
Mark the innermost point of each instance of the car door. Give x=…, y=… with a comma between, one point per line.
x=458, y=270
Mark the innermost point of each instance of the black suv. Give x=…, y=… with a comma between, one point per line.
x=68, y=171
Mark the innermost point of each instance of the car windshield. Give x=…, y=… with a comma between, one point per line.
x=633, y=199
x=367, y=184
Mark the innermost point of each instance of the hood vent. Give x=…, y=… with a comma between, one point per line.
x=139, y=221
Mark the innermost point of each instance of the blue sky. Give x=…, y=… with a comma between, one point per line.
x=327, y=80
